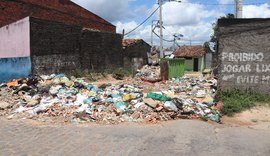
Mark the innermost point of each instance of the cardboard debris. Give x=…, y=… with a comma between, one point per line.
x=77, y=101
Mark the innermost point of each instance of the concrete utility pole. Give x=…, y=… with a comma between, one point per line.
x=153, y=27
x=160, y=2
x=239, y=8
x=161, y=29
x=176, y=37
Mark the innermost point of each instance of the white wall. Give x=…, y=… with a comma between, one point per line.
x=15, y=39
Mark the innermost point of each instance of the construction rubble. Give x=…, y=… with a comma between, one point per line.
x=75, y=100
x=149, y=73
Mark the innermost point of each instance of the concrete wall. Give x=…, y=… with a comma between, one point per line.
x=189, y=64
x=61, y=48
x=15, y=50
x=244, y=54
x=208, y=60
x=202, y=63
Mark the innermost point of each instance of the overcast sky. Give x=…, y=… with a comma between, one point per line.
x=192, y=18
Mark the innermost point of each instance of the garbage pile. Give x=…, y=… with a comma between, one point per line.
x=149, y=73
x=79, y=101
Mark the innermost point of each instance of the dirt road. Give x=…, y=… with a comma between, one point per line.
x=182, y=137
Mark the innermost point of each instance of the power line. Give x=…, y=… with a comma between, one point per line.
x=193, y=40
x=183, y=39
x=163, y=38
x=143, y=21
x=219, y=4
x=177, y=44
x=168, y=31
x=215, y=4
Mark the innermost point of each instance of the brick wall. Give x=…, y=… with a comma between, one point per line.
x=57, y=47
x=139, y=50
x=244, y=54
x=55, y=10
x=101, y=50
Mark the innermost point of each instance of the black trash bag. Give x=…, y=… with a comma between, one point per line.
x=178, y=103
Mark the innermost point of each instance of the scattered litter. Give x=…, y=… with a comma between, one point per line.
x=4, y=105
x=149, y=73
x=78, y=101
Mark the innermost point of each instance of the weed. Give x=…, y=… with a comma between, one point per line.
x=254, y=120
x=120, y=73
x=75, y=73
x=236, y=101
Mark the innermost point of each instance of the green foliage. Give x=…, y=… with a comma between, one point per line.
x=80, y=73
x=215, y=27
x=75, y=73
x=120, y=73
x=236, y=101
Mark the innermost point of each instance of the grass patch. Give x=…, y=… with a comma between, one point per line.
x=236, y=101
x=118, y=73
x=81, y=73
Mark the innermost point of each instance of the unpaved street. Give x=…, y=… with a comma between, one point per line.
x=182, y=137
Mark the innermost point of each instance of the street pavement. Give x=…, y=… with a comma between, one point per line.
x=181, y=137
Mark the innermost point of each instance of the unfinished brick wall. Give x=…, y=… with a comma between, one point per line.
x=54, y=10
x=60, y=48
x=101, y=50
x=244, y=54
x=138, y=50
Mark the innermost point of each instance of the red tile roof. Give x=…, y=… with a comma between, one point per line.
x=130, y=42
x=189, y=51
x=64, y=11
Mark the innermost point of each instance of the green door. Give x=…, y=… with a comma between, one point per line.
x=176, y=68
x=196, y=65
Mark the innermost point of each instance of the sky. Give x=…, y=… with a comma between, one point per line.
x=192, y=18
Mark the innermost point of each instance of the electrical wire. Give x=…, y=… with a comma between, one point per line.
x=168, y=31
x=219, y=4
x=192, y=40
x=177, y=44
x=163, y=38
x=143, y=21
x=183, y=39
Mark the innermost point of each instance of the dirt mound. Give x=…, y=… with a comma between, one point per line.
x=257, y=118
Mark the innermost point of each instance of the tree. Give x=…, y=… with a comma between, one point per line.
x=215, y=26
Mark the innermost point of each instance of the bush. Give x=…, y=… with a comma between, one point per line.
x=236, y=101
x=120, y=73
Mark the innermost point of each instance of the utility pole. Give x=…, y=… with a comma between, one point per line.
x=174, y=43
x=153, y=27
x=176, y=37
x=160, y=2
x=161, y=29
x=239, y=8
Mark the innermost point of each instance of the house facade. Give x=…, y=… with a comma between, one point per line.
x=54, y=36
x=194, y=57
